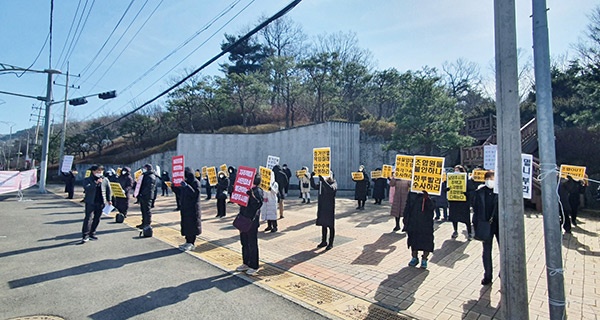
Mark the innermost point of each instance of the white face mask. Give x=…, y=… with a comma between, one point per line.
x=490, y=183
x=98, y=175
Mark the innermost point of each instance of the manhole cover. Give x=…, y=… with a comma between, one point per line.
x=38, y=317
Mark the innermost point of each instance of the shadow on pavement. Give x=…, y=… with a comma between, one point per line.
x=449, y=254
x=571, y=242
x=77, y=235
x=168, y=296
x=482, y=306
x=374, y=253
x=406, y=281
x=91, y=267
x=65, y=221
x=28, y=250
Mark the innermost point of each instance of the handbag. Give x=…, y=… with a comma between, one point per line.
x=305, y=185
x=242, y=223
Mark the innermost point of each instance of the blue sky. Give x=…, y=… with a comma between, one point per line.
x=404, y=34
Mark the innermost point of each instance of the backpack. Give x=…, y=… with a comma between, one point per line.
x=119, y=218
x=146, y=232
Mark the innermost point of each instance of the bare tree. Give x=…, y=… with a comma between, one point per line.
x=284, y=37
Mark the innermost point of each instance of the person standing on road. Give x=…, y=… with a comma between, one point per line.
x=146, y=194
x=69, y=183
x=190, y=212
x=460, y=211
x=288, y=174
x=401, y=190
x=361, y=189
x=305, y=186
x=325, y=208
x=97, y=194
x=163, y=183
x=221, y=195
x=249, y=239
x=418, y=222
x=379, y=186
x=485, y=221
x=126, y=182
x=206, y=184
x=282, y=181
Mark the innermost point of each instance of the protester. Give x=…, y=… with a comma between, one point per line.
x=379, y=186
x=305, y=186
x=249, y=239
x=190, y=210
x=206, y=185
x=69, y=183
x=401, y=190
x=177, y=193
x=97, y=195
x=565, y=204
x=232, y=175
x=163, y=185
x=575, y=189
x=126, y=182
x=282, y=181
x=441, y=201
x=288, y=174
x=146, y=194
x=485, y=221
x=269, y=208
x=221, y=195
x=418, y=222
x=325, y=208
x=460, y=211
x=111, y=175
x=361, y=188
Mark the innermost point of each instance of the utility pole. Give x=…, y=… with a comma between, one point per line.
x=545, y=123
x=64, y=124
x=46, y=141
x=509, y=177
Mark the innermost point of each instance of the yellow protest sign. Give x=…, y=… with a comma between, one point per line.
x=137, y=174
x=427, y=174
x=358, y=176
x=478, y=175
x=116, y=190
x=404, y=167
x=119, y=171
x=376, y=174
x=457, y=182
x=223, y=168
x=386, y=171
x=300, y=173
x=211, y=172
x=87, y=173
x=577, y=172
x=322, y=161
x=204, y=172
x=265, y=178
x=168, y=183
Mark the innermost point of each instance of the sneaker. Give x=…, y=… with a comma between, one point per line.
x=273, y=230
x=329, y=247
x=454, y=235
x=268, y=229
x=486, y=282
x=396, y=229
x=182, y=247
x=413, y=262
x=242, y=268
x=84, y=240
x=303, y=200
x=308, y=201
x=189, y=247
x=93, y=237
x=424, y=264
x=358, y=208
x=470, y=237
x=437, y=218
x=252, y=272
x=322, y=244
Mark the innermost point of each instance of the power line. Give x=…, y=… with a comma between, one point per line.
x=36, y=58
x=70, y=30
x=242, y=39
x=75, y=39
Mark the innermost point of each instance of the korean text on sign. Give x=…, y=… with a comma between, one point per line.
x=427, y=175
x=358, y=176
x=386, y=171
x=527, y=175
x=116, y=190
x=375, y=174
x=322, y=161
x=211, y=172
x=457, y=183
x=478, y=175
x=272, y=161
x=223, y=168
x=576, y=172
x=404, y=167
x=177, y=169
x=265, y=178
x=243, y=183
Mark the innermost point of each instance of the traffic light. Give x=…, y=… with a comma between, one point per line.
x=107, y=95
x=78, y=101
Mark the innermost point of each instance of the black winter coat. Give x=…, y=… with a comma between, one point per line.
x=379, y=188
x=222, y=188
x=148, y=187
x=282, y=181
x=418, y=222
x=69, y=181
x=189, y=198
x=126, y=182
x=254, y=203
x=326, y=202
x=480, y=216
x=460, y=211
x=232, y=176
x=362, y=187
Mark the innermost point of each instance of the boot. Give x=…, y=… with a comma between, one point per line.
x=308, y=200
x=303, y=200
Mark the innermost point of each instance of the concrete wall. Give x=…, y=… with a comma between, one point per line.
x=372, y=155
x=294, y=147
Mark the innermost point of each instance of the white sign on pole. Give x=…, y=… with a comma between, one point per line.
x=272, y=161
x=489, y=156
x=67, y=164
x=527, y=175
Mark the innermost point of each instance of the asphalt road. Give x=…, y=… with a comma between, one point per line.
x=120, y=276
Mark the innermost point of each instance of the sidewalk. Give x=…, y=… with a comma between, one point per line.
x=369, y=261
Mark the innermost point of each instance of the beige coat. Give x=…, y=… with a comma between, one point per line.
x=401, y=190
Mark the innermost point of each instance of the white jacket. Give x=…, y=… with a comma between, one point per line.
x=269, y=207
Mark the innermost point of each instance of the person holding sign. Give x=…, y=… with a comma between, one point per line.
x=164, y=178
x=126, y=182
x=460, y=211
x=379, y=186
x=304, y=185
x=485, y=221
x=249, y=239
x=97, y=195
x=190, y=212
x=401, y=191
x=232, y=174
x=69, y=183
x=269, y=209
x=282, y=181
x=222, y=186
x=325, y=208
x=418, y=222
x=361, y=188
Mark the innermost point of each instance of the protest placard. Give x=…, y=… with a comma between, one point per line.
x=457, y=183
x=116, y=190
x=119, y=170
x=265, y=178
x=211, y=172
x=527, y=175
x=272, y=161
x=177, y=170
x=138, y=185
x=404, y=167
x=427, y=174
x=577, y=172
x=203, y=172
x=386, y=171
x=223, y=168
x=300, y=173
x=376, y=174
x=358, y=176
x=87, y=173
x=489, y=156
x=137, y=174
x=478, y=175
x=322, y=161
x=243, y=183
x=67, y=163
x=158, y=172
